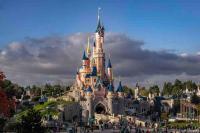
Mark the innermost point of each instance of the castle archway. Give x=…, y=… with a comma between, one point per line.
x=100, y=108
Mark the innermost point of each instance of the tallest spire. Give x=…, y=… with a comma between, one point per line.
x=98, y=22
x=99, y=14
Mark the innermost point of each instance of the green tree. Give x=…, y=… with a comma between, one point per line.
x=190, y=85
x=143, y=92
x=128, y=90
x=176, y=107
x=167, y=88
x=35, y=90
x=154, y=89
x=177, y=88
x=195, y=99
x=2, y=124
x=31, y=122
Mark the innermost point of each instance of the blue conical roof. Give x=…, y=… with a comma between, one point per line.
x=120, y=88
x=89, y=89
x=109, y=64
x=111, y=87
x=98, y=25
x=84, y=56
x=94, y=71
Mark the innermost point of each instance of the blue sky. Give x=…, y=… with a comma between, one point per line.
x=161, y=24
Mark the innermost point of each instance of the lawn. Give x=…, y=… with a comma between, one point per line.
x=184, y=124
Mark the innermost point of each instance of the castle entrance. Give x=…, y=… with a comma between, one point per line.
x=100, y=109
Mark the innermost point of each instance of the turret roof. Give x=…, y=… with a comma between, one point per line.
x=120, y=88
x=89, y=89
x=109, y=64
x=84, y=56
x=94, y=71
x=87, y=75
x=98, y=25
x=111, y=87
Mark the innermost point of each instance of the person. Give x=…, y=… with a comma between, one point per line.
x=128, y=129
x=100, y=127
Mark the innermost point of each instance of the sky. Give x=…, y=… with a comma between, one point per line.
x=167, y=32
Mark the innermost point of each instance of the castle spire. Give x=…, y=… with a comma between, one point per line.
x=98, y=22
x=84, y=56
x=109, y=64
x=88, y=47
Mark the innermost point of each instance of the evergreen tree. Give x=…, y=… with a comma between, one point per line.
x=154, y=89
x=167, y=88
x=32, y=122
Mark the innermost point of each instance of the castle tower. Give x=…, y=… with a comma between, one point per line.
x=99, y=53
x=85, y=60
x=89, y=97
x=198, y=90
x=110, y=97
x=110, y=72
x=120, y=90
x=85, y=70
x=136, y=91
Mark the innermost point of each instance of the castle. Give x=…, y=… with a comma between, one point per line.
x=94, y=88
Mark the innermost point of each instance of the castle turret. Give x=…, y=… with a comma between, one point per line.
x=120, y=90
x=89, y=104
x=110, y=72
x=136, y=91
x=110, y=97
x=84, y=60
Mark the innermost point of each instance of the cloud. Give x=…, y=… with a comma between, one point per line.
x=56, y=58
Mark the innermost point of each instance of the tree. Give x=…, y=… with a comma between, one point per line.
x=6, y=105
x=177, y=88
x=32, y=122
x=35, y=90
x=143, y=92
x=176, y=107
x=128, y=90
x=167, y=88
x=11, y=89
x=195, y=99
x=2, y=76
x=190, y=85
x=154, y=89
x=2, y=124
